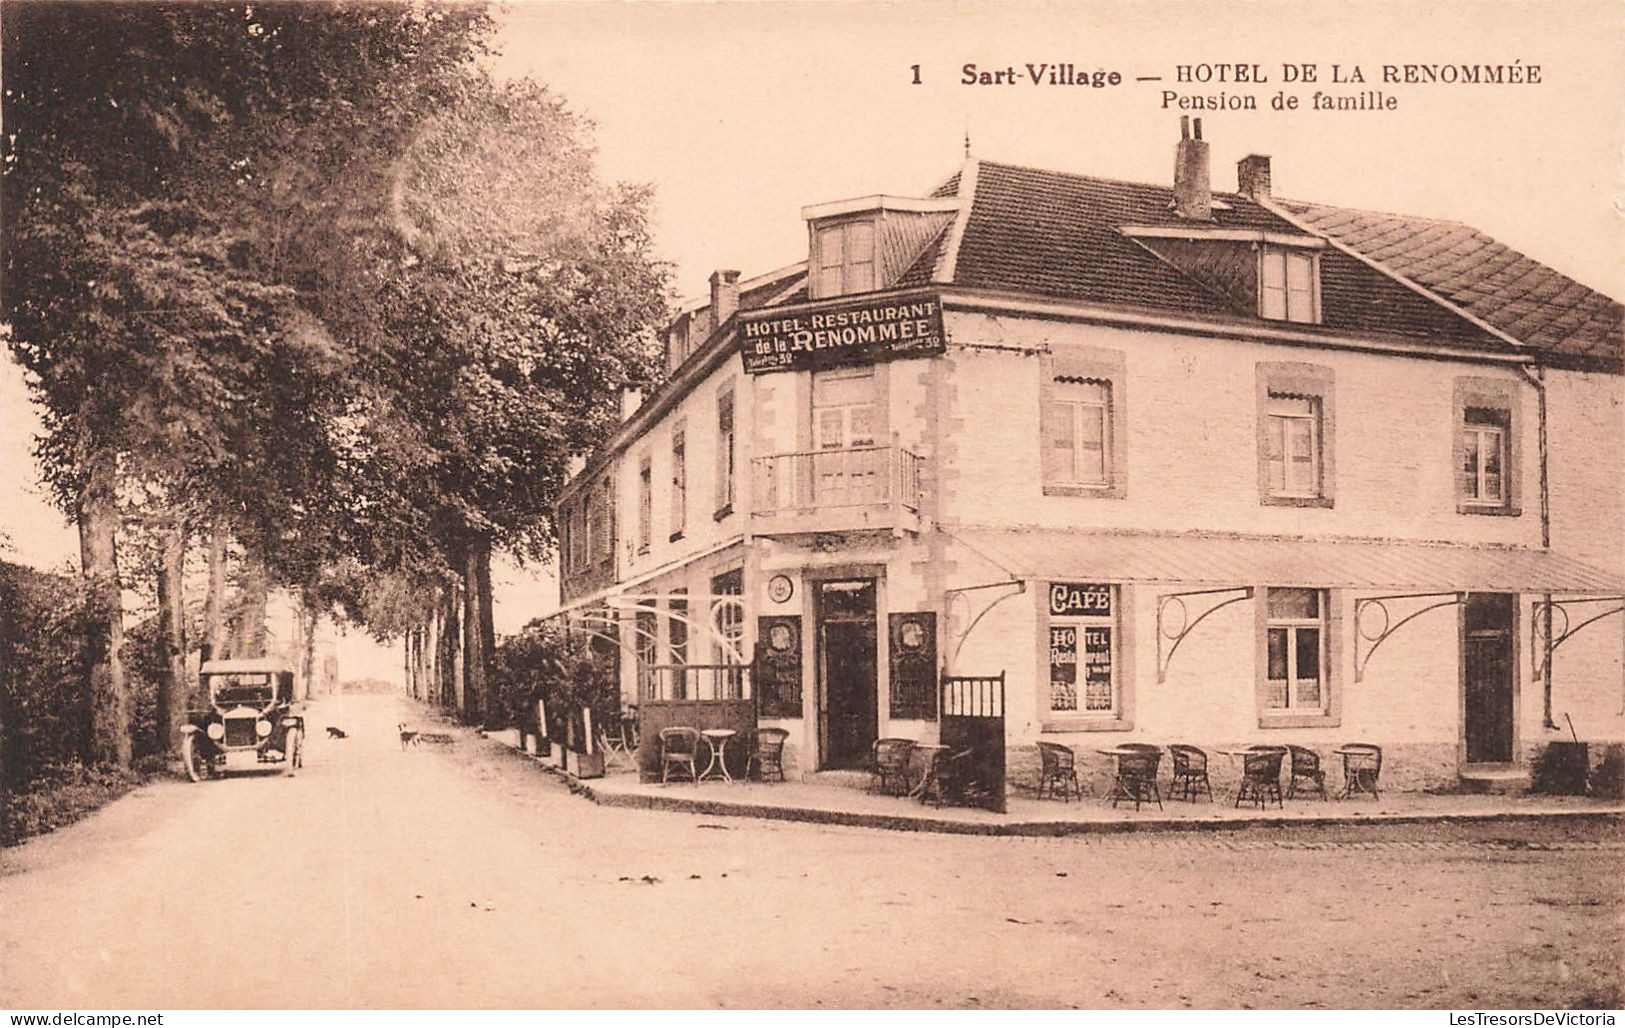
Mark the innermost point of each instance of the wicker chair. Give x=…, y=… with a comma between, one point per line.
x=1058, y=768
x=1306, y=769
x=1136, y=777
x=679, y=748
x=1261, y=776
x=1190, y=774
x=1362, y=766
x=767, y=755
x=888, y=767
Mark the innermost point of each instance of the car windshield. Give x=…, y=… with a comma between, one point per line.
x=253, y=689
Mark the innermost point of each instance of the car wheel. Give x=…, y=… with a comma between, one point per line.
x=293, y=749
x=193, y=757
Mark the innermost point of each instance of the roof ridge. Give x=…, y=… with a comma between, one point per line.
x=1106, y=179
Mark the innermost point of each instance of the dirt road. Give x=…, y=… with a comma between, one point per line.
x=460, y=875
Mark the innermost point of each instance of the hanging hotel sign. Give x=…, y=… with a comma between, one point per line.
x=841, y=332
x=1080, y=599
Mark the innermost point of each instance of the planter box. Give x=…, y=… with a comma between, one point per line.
x=585, y=765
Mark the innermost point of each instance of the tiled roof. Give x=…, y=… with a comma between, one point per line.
x=1057, y=235
x=1522, y=297
x=763, y=294
x=925, y=265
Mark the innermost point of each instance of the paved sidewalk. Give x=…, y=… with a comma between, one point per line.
x=842, y=804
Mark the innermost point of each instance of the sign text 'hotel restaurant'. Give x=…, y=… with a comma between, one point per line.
x=841, y=332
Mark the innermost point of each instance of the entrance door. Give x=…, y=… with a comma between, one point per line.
x=848, y=706
x=1487, y=669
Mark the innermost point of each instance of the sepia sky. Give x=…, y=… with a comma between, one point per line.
x=740, y=114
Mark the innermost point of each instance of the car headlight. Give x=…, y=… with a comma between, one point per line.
x=262, y=728
x=216, y=731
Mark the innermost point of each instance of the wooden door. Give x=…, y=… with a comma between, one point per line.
x=849, y=713
x=1488, y=667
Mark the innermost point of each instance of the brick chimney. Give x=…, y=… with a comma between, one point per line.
x=1193, y=196
x=1253, y=176
x=724, y=296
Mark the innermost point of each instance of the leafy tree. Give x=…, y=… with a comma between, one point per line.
x=158, y=187
x=527, y=305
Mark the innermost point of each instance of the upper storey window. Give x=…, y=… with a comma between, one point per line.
x=1287, y=286
x=845, y=257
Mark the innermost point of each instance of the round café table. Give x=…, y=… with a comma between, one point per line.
x=717, y=738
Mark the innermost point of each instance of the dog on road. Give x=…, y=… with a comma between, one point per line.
x=337, y=733
x=408, y=737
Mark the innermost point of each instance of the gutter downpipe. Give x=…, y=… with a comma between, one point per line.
x=1537, y=378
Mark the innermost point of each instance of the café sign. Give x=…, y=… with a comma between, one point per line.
x=1080, y=599
x=842, y=332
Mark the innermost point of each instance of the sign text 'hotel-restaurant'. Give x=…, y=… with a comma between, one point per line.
x=847, y=332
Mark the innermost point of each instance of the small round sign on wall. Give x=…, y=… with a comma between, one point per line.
x=780, y=588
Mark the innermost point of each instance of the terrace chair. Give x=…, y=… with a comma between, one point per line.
x=767, y=753
x=619, y=741
x=1190, y=773
x=1306, y=769
x=953, y=778
x=1058, y=767
x=888, y=765
x=1261, y=776
x=1362, y=766
x=679, y=748
x=1137, y=775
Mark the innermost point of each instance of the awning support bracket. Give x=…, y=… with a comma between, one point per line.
x=1168, y=601
x=1389, y=627
x=952, y=594
x=1545, y=639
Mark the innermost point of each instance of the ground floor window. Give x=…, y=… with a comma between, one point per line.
x=1295, y=648
x=728, y=617
x=1083, y=646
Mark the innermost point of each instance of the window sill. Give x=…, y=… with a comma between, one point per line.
x=1488, y=510
x=723, y=512
x=1063, y=725
x=1103, y=492
x=1268, y=500
x=1299, y=721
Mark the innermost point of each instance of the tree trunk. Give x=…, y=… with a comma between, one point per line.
x=474, y=653
x=173, y=687
x=409, y=678
x=104, y=614
x=453, y=636
x=431, y=657
x=310, y=616
x=488, y=631
x=426, y=658
x=214, y=600
x=256, y=594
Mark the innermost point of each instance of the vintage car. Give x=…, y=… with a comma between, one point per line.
x=250, y=709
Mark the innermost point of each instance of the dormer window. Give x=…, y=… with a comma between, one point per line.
x=1288, y=289
x=845, y=255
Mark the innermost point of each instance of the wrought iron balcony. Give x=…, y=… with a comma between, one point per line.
x=865, y=487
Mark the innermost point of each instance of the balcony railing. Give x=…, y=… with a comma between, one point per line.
x=864, y=476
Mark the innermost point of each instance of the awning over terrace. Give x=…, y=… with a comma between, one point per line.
x=1229, y=560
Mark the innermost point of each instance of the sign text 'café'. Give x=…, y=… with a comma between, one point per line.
x=849, y=332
